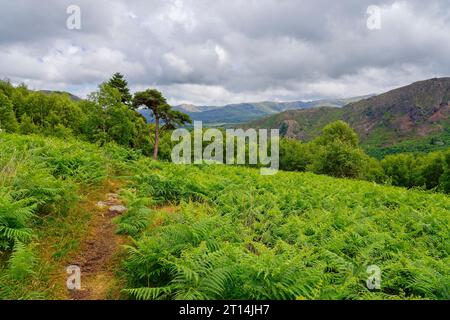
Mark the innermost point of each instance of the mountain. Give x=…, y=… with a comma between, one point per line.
x=71, y=96
x=244, y=112
x=415, y=112
x=191, y=108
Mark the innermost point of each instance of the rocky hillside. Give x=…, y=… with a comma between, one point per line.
x=417, y=111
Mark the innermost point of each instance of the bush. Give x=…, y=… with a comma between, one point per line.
x=294, y=155
x=401, y=169
x=339, y=160
x=8, y=121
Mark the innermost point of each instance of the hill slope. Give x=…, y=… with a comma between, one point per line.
x=416, y=111
x=217, y=232
x=71, y=96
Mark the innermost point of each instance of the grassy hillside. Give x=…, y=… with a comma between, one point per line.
x=214, y=232
x=411, y=118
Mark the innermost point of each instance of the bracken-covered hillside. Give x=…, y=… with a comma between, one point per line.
x=211, y=232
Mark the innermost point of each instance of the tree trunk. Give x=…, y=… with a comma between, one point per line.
x=155, y=149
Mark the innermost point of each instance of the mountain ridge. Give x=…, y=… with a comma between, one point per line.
x=418, y=110
x=247, y=111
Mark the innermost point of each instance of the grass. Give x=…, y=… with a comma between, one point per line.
x=45, y=187
x=216, y=232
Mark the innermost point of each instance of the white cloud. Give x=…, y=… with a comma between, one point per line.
x=221, y=54
x=177, y=63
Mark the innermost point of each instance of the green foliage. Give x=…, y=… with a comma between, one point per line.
x=338, y=132
x=339, y=160
x=220, y=232
x=40, y=181
x=104, y=117
x=336, y=153
x=118, y=82
x=14, y=218
x=428, y=171
x=153, y=100
x=27, y=126
x=294, y=155
x=444, y=181
x=21, y=271
x=436, y=142
x=22, y=262
x=8, y=119
x=289, y=236
x=136, y=219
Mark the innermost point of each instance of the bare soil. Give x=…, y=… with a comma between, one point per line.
x=96, y=257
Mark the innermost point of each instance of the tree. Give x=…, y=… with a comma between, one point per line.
x=154, y=101
x=26, y=125
x=444, y=182
x=174, y=118
x=120, y=124
x=8, y=119
x=294, y=155
x=339, y=160
x=431, y=169
x=118, y=81
x=401, y=169
x=338, y=153
x=340, y=132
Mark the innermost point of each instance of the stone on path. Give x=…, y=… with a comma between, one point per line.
x=102, y=205
x=117, y=209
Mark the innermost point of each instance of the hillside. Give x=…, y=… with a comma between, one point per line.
x=208, y=232
x=71, y=96
x=418, y=112
x=244, y=112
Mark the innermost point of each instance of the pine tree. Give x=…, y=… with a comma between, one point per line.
x=8, y=119
x=153, y=100
x=118, y=81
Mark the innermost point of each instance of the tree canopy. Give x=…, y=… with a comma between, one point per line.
x=154, y=101
x=118, y=82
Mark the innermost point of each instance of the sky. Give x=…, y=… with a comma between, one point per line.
x=217, y=52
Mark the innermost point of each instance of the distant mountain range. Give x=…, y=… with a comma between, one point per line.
x=244, y=112
x=417, y=111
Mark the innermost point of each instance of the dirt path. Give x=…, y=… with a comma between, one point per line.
x=98, y=252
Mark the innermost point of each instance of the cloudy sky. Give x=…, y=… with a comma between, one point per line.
x=225, y=51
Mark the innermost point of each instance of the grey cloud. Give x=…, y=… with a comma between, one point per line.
x=214, y=52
